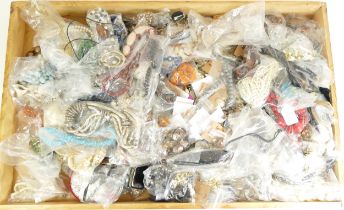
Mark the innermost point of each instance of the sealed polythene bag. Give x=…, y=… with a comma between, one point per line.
x=172, y=106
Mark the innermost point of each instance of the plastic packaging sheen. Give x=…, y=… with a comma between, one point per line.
x=172, y=106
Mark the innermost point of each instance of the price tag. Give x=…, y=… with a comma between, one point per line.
x=289, y=115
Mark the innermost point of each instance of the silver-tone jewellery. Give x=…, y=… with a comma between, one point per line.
x=100, y=23
x=228, y=61
x=227, y=72
x=84, y=118
x=155, y=180
x=181, y=186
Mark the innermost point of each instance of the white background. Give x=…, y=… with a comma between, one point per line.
x=336, y=21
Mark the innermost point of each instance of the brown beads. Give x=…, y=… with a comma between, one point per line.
x=34, y=52
x=30, y=112
x=184, y=75
x=29, y=118
x=163, y=121
x=307, y=133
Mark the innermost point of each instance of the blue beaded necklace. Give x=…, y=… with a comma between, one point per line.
x=54, y=137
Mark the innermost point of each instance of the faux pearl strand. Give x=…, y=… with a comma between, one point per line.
x=80, y=28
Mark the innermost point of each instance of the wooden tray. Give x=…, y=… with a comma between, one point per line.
x=20, y=41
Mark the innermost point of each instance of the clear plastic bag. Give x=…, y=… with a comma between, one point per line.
x=38, y=181
x=233, y=187
x=30, y=78
x=173, y=106
x=256, y=88
x=100, y=24
x=146, y=76
x=80, y=158
x=38, y=176
x=181, y=186
x=117, y=82
x=295, y=45
x=37, y=82
x=157, y=20
x=323, y=76
x=299, y=76
x=235, y=27
x=120, y=29
x=104, y=185
x=104, y=57
x=175, y=140
x=80, y=40
x=29, y=119
x=16, y=149
x=147, y=149
x=46, y=21
x=155, y=180
x=308, y=27
x=167, y=183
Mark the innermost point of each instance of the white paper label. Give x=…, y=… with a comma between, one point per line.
x=197, y=86
x=181, y=105
x=289, y=115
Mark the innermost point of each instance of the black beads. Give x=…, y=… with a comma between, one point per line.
x=326, y=93
x=177, y=16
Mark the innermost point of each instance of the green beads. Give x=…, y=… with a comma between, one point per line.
x=84, y=47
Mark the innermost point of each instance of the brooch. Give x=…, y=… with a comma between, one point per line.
x=111, y=57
